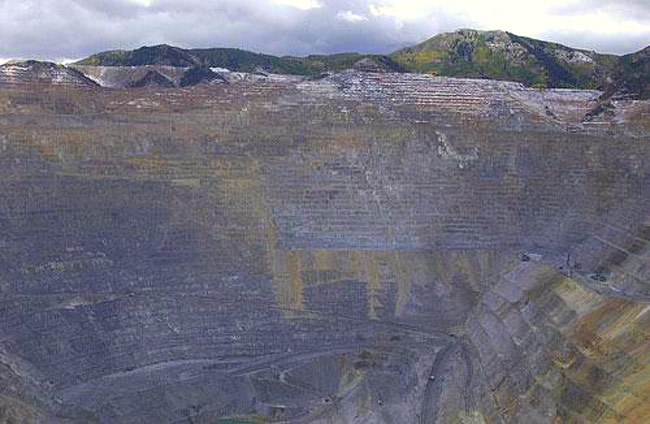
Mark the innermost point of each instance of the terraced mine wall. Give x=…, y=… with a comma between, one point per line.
x=361, y=248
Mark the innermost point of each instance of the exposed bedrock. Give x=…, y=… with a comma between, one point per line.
x=362, y=248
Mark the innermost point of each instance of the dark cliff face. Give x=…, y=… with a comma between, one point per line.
x=359, y=248
x=631, y=78
x=152, y=79
x=196, y=76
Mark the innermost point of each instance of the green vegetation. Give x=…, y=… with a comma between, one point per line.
x=505, y=56
x=235, y=60
x=464, y=53
x=631, y=77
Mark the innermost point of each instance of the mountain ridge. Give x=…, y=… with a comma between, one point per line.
x=233, y=59
x=506, y=56
x=464, y=53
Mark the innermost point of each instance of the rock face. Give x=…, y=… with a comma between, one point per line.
x=374, y=65
x=130, y=76
x=195, y=76
x=154, y=76
x=152, y=79
x=631, y=79
x=33, y=72
x=361, y=248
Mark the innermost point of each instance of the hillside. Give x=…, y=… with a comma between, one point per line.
x=506, y=56
x=631, y=78
x=234, y=59
x=465, y=53
x=41, y=73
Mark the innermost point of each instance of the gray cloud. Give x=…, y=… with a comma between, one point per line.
x=615, y=44
x=57, y=29
x=623, y=11
x=631, y=9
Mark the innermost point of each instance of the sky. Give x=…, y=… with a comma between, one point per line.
x=71, y=29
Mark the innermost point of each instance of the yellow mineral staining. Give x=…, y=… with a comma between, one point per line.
x=14, y=411
x=474, y=268
x=285, y=266
x=352, y=260
x=337, y=140
x=473, y=417
x=220, y=167
x=148, y=163
x=187, y=182
x=440, y=265
x=323, y=260
x=58, y=145
x=508, y=406
x=592, y=331
x=628, y=401
x=639, y=412
x=381, y=268
x=644, y=313
x=465, y=265
x=287, y=281
x=580, y=300
x=400, y=264
x=235, y=184
x=369, y=272
x=614, y=337
x=296, y=299
x=564, y=362
x=375, y=268
x=637, y=402
x=241, y=184
x=427, y=56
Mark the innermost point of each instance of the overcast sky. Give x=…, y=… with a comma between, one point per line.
x=70, y=29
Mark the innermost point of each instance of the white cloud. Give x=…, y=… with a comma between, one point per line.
x=374, y=10
x=67, y=61
x=607, y=26
x=350, y=16
x=145, y=3
x=49, y=29
x=403, y=9
x=558, y=20
x=300, y=4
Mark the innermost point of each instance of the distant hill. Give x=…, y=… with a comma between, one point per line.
x=465, y=53
x=631, y=77
x=235, y=60
x=505, y=56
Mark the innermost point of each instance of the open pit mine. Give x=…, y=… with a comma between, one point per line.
x=193, y=245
